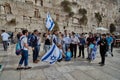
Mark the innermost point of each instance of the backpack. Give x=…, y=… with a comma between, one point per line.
x=19, y=49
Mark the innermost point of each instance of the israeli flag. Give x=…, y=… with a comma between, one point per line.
x=52, y=55
x=49, y=22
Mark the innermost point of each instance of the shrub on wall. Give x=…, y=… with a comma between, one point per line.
x=67, y=9
x=82, y=11
x=56, y=27
x=98, y=18
x=65, y=3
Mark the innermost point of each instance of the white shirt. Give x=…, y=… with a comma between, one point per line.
x=23, y=42
x=39, y=42
x=74, y=40
x=67, y=40
x=5, y=36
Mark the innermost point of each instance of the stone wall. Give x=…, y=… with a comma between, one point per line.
x=31, y=14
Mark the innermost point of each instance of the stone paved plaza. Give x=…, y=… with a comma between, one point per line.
x=77, y=69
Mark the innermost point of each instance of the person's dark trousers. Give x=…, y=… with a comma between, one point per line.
x=38, y=49
x=5, y=45
x=35, y=54
x=102, y=53
x=74, y=50
x=112, y=45
x=71, y=49
x=67, y=46
x=81, y=49
x=24, y=58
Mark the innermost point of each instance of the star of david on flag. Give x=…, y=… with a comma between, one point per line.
x=52, y=55
x=49, y=22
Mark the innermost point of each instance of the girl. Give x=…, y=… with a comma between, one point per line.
x=92, y=51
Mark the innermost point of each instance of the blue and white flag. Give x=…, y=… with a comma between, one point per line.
x=52, y=55
x=49, y=22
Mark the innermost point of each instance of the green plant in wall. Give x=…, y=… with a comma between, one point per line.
x=65, y=3
x=67, y=7
x=98, y=18
x=112, y=28
x=56, y=27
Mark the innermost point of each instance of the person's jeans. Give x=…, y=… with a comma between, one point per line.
x=35, y=53
x=5, y=45
x=47, y=47
x=38, y=48
x=81, y=49
x=109, y=50
x=24, y=58
x=67, y=46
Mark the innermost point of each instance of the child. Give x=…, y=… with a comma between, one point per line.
x=93, y=51
x=68, y=55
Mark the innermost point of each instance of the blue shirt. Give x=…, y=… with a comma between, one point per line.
x=82, y=41
x=109, y=40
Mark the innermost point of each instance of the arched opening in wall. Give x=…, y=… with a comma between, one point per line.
x=7, y=8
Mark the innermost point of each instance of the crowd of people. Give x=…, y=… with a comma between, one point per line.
x=67, y=42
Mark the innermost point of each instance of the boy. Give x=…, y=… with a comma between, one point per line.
x=103, y=49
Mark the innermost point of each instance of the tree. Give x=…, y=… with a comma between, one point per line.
x=98, y=18
x=112, y=28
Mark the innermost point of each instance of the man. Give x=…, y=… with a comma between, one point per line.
x=47, y=42
x=24, y=55
x=55, y=37
x=5, y=37
x=103, y=47
x=34, y=45
x=109, y=43
x=81, y=46
x=74, y=42
x=67, y=41
x=113, y=42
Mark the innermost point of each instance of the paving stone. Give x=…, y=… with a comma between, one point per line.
x=99, y=75
x=79, y=75
x=68, y=76
x=10, y=75
x=33, y=75
x=53, y=74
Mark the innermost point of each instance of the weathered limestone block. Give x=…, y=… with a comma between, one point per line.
x=7, y=8
x=2, y=10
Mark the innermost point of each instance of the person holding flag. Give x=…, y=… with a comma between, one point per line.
x=54, y=53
